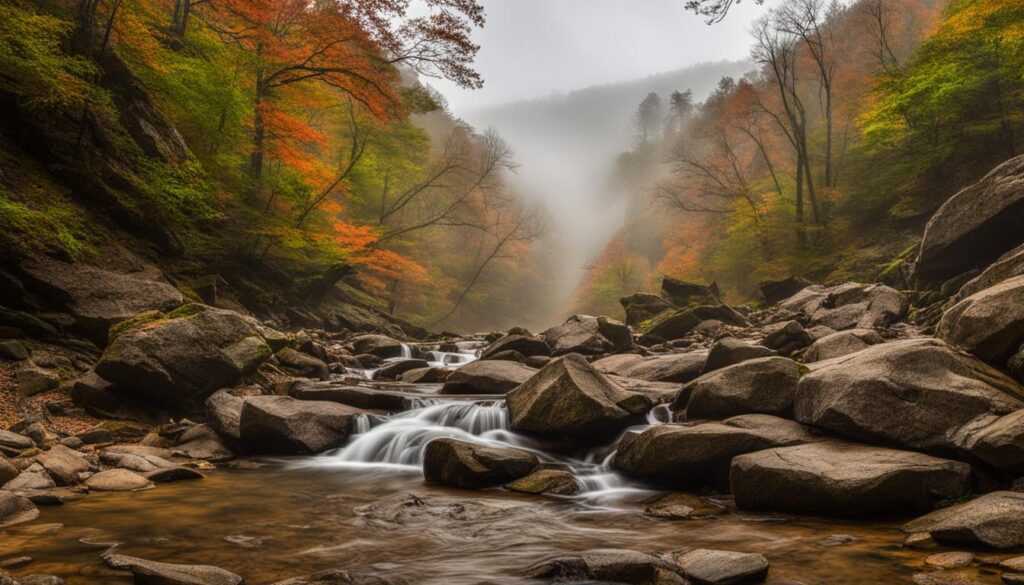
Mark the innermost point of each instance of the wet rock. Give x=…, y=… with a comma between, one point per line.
x=588, y=335
x=471, y=465
x=117, y=480
x=15, y=509
x=841, y=343
x=33, y=380
x=681, y=455
x=609, y=566
x=424, y=376
x=224, y=415
x=721, y=567
x=682, y=506
x=641, y=307
x=169, y=474
x=730, y=351
x=917, y=393
x=487, y=377
x=787, y=337
x=569, y=398
x=672, y=325
x=182, y=357
x=284, y=425
x=381, y=346
x=14, y=443
x=64, y=465
x=393, y=370
x=848, y=306
x=202, y=442
x=14, y=350
x=302, y=364
x=835, y=478
x=677, y=367
x=154, y=573
x=989, y=324
x=995, y=520
x=975, y=226
x=682, y=293
x=547, y=482
x=950, y=560
x=776, y=291
x=764, y=385
x=100, y=297
x=357, y=396
x=525, y=346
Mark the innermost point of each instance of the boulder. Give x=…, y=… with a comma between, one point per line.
x=14, y=350
x=994, y=520
x=524, y=345
x=224, y=415
x=394, y=370
x=682, y=294
x=618, y=364
x=672, y=325
x=975, y=226
x=729, y=351
x=169, y=474
x=776, y=291
x=180, y=358
x=487, y=377
x=1000, y=444
x=132, y=462
x=7, y=471
x=680, y=455
x=64, y=465
x=916, y=393
x=470, y=465
x=202, y=442
x=425, y=376
x=285, y=425
x=1015, y=365
x=848, y=306
x=588, y=335
x=721, y=567
x=676, y=367
x=569, y=398
x=764, y=385
x=552, y=482
x=609, y=566
x=33, y=380
x=841, y=343
x=1008, y=265
x=683, y=506
x=781, y=431
x=834, y=478
x=786, y=338
x=117, y=480
x=381, y=346
x=99, y=297
x=302, y=364
x=15, y=509
x=154, y=573
x=990, y=323
x=641, y=307
x=13, y=443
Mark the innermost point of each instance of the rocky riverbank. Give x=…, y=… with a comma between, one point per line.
x=841, y=400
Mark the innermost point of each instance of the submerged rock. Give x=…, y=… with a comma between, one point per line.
x=471, y=465
x=834, y=478
x=683, y=506
x=569, y=398
x=548, y=482
x=155, y=573
x=487, y=377
x=995, y=520
x=609, y=566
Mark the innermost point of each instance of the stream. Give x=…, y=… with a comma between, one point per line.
x=365, y=508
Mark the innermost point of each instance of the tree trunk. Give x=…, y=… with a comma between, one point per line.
x=801, y=236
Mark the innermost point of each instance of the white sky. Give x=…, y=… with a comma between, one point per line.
x=532, y=48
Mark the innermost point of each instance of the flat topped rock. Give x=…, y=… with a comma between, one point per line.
x=721, y=567
x=995, y=520
x=835, y=478
x=471, y=465
x=487, y=377
x=284, y=425
x=155, y=573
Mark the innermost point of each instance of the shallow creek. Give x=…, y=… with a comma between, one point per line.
x=365, y=508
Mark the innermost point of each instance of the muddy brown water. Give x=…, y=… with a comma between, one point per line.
x=280, y=521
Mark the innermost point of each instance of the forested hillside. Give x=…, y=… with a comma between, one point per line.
x=859, y=121
x=257, y=144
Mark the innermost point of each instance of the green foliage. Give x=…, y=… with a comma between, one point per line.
x=34, y=69
x=44, y=224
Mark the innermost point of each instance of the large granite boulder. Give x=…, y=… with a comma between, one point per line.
x=569, y=398
x=994, y=520
x=224, y=415
x=764, y=385
x=285, y=425
x=916, y=393
x=525, y=345
x=64, y=465
x=588, y=335
x=640, y=307
x=180, y=358
x=469, y=465
x=841, y=343
x=681, y=455
x=990, y=323
x=672, y=325
x=776, y=291
x=381, y=346
x=730, y=351
x=675, y=367
x=848, y=306
x=834, y=478
x=682, y=294
x=975, y=226
x=302, y=364
x=1008, y=265
x=1000, y=443
x=487, y=377
x=98, y=297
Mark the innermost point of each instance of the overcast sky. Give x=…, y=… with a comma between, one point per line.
x=532, y=48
